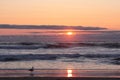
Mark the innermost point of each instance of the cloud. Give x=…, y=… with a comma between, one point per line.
x=53, y=27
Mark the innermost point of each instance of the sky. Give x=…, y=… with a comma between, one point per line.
x=100, y=13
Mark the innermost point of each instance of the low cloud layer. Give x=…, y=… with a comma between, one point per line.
x=53, y=27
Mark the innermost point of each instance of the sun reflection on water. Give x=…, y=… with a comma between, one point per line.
x=69, y=73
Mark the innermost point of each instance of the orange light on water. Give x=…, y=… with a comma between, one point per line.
x=69, y=73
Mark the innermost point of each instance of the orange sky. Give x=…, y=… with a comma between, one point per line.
x=102, y=13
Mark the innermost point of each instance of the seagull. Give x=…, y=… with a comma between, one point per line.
x=32, y=69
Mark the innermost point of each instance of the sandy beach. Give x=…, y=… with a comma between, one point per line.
x=56, y=78
x=58, y=74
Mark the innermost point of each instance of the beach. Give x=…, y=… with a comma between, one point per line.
x=59, y=60
x=58, y=74
x=59, y=39
x=56, y=78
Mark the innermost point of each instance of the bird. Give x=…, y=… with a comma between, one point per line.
x=32, y=69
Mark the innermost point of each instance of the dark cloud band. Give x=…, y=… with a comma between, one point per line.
x=53, y=27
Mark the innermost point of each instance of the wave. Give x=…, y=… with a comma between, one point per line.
x=109, y=58
x=19, y=47
x=26, y=45
x=36, y=57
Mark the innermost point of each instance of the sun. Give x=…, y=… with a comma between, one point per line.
x=69, y=33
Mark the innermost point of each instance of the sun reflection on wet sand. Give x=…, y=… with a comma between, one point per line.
x=69, y=73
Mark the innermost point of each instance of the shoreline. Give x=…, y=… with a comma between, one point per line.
x=58, y=73
x=57, y=78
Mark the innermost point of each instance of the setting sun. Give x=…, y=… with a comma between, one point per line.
x=69, y=33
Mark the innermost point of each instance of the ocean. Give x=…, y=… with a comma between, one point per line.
x=93, y=50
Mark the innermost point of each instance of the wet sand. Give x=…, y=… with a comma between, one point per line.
x=56, y=78
x=58, y=74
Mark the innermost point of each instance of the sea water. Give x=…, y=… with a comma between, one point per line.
x=90, y=52
x=85, y=57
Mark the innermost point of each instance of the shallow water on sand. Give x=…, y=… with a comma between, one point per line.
x=60, y=73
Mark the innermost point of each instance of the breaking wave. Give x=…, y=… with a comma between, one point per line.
x=106, y=58
x=55, y=45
